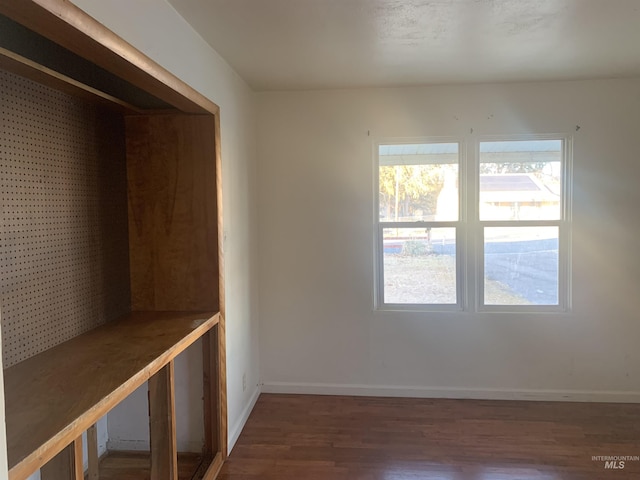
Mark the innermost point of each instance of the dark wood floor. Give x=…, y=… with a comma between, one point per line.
x=304, y=437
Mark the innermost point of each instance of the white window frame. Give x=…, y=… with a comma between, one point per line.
x=563, y=224
x=470, y=229
x=459, y=225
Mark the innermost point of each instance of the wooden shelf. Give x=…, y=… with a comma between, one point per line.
x=26, y=68
x=53, y=397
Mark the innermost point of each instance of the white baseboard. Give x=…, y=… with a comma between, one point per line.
x=234, y=433
x=445, y=392
x=127, y=445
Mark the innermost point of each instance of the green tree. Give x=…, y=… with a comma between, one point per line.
x=406, y=188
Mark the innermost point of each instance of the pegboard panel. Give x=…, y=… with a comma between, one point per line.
x=63, y=232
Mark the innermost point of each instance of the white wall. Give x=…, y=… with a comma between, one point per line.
x=156, y=29
x=128, y=425
x=318, y=330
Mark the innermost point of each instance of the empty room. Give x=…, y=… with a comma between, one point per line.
x=320, y=239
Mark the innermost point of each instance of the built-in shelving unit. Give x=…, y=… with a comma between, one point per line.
x=53, y=397
x=111, y=241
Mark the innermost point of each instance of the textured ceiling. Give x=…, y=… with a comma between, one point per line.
x=311, y=44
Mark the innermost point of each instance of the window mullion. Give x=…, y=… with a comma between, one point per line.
x=520, y=223
x=472, y=267
x=420, y=224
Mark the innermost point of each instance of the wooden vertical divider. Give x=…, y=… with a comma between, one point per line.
x=92, y=453
x=211, y=392
x=162, y=425
x=78, y=466
x=173, y=228
x=67, y=465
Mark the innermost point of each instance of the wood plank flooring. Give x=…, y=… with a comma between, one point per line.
x=305, y=437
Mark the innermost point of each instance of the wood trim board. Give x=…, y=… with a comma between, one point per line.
x=222, y=323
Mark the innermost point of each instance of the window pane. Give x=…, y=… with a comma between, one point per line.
x=521, y=266
x=418, y=182
x=520, y=180
x=420, y=265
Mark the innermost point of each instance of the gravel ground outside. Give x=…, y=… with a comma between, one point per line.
x=432, y=279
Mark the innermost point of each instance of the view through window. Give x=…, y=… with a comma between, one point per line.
x=503, y=216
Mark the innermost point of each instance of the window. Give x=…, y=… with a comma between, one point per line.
x=487, y=230
x=419, y=224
